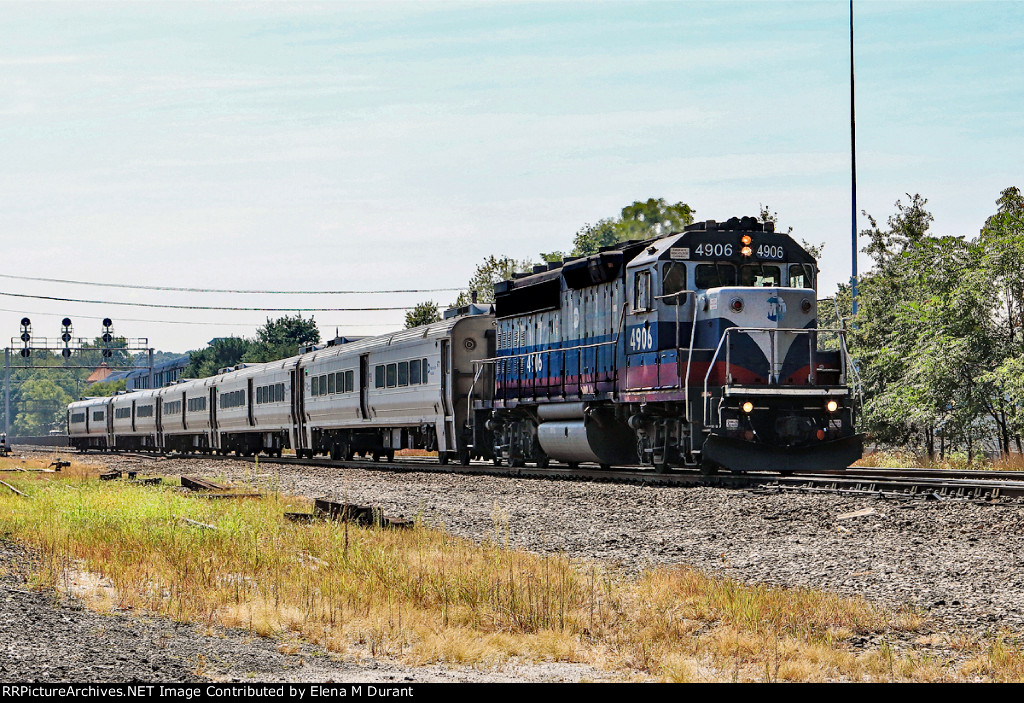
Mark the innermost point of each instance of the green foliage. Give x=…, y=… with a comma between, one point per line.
x=937, y=333
x=281, y=338
x=42, y=406
x=492, y=270
x=639, y=220
x=422, y=314
x=225, y=351
x=104, y=389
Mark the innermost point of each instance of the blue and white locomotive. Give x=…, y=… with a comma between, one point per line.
x=699, y=348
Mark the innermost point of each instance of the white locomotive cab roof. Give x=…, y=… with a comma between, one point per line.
x=653, y=251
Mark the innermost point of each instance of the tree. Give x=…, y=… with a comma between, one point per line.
x=221, y=353
x=422, y=314
x=493, y=269
x=923, y=335
x=281, y=338
x=103, y=389
x=640, y=220
x=42, y=407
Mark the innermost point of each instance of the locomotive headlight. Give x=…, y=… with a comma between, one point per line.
x=746, y=251
x=736, y=304
x=831, y=406
x=746, y=240
x=748, y=407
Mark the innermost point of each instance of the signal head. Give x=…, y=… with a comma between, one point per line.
x=66, y=353
x=25, y=336
x=25, y=322
x=66, y=322
x=107, y=322
x=107, y=337
x=107, y=353
x=66, y=337
x=26, y=352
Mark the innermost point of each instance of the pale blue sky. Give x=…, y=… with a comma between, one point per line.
x=366, y=146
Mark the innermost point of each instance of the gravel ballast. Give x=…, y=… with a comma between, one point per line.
x=958, y=562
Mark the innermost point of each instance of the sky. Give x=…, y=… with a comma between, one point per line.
x=373, y=146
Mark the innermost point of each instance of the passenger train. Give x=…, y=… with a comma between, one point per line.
x=699, y=348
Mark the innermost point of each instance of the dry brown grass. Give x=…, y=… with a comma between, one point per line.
x=901, y=458
x=426, y=596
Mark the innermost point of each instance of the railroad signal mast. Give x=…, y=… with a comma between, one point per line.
x=69, y=346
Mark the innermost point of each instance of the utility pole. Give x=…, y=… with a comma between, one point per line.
x=853, y=159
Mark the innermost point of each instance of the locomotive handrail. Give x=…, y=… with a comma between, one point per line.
x=771, y=331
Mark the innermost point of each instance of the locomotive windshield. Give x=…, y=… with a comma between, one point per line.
x=715, y=275
x=720, y=275
x=759, y=275
x=673, y=280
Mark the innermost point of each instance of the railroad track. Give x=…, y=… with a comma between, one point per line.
x=905, y=483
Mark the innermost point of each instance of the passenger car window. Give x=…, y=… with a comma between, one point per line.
x=379, y=377
x=403, y=373
x=392, y=374
x=414, y=371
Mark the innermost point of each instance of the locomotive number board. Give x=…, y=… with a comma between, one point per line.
x=719, y=248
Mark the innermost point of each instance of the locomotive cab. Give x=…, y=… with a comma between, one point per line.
x=723, y=317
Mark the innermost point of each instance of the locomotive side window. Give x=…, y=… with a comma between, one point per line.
x=714, y=276
x=392, y=375
x=801, y=276
x=760, y=276
x=642, y=291
x=673, y=280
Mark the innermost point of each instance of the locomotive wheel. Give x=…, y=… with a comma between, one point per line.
x=348, y=453
x=605, y=467
x=376, y=456
x=662, y=467
x=335, y=452
x=573, y=465
x=543, y=463
x=278, y=452
x=390, y=455
x=464, y=457
x=442, y=458
x=496, y=460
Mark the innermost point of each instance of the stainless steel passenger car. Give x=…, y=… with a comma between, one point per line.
x=373, y=396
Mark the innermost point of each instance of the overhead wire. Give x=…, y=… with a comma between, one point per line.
x=201, y=307
x=244, y=291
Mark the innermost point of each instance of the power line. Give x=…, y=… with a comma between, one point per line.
x=173, y=322
x=232, y=290
x=201, y=307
